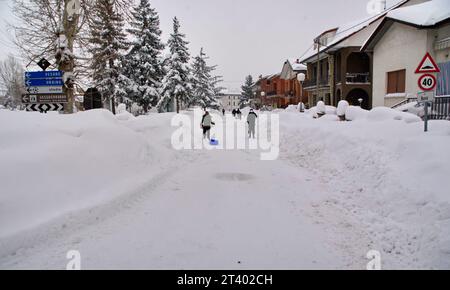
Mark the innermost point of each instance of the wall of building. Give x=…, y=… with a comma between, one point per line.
x=402, y=47
x=230, y=102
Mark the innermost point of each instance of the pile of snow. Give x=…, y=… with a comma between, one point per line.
x=292, y=108
x=354, y=113
x=384, y=114
x=53, y=164
x=389, y=183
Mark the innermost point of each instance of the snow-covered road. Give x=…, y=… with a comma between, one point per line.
x=218, y=209
x=229, y=210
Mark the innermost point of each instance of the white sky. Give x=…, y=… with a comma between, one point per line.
x=242, y=36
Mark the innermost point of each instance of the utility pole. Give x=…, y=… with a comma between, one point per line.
x=318, y=68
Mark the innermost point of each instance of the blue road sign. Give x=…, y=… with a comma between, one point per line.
x=43, y=74
x=44, y=82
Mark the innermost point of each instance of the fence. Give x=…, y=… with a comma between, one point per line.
x=440, y=110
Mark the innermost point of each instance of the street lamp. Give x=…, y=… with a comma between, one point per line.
x=263, y=94
x=301, y=78
x=360, y=102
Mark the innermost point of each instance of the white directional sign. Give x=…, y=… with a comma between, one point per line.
x=44, y=90
x=428, y=96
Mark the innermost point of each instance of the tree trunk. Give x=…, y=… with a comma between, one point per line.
x=70, y=30
x=178, y=104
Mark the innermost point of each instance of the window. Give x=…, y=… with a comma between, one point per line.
x=396, y=82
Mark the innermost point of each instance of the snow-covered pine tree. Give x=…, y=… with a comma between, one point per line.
x=176, y=85
x=143, y=64
x=247, y=92
x=107, y=44
x=218, y=89
x=203, y=83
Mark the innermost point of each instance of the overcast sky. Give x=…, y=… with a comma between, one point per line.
x=243, y=36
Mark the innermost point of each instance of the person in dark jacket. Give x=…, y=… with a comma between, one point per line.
x=206, y=125
x=239, y=114
x=234, y=113
x=251, y=121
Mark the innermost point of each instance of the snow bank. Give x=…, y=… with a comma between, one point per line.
x=52, y=164
x=389, y=177
x=354, y=113
x=384, y=114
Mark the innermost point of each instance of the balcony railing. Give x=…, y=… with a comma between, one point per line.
x=360, y=78
x=313, y=83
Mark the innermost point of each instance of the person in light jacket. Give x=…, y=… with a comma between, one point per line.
x=251, y=121
x=206, y=125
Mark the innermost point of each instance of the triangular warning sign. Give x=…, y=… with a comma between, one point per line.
x=427, y=65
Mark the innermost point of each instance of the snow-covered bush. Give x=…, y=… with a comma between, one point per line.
x=341, y=108
x=121, y=108
x=321, y=108
x=136, y=109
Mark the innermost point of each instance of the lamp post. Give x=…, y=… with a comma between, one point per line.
x=301, y=78
x=263, y=94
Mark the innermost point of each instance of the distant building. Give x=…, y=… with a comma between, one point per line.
x=230, y=101
x=294, y=91
x=281, y=89
x=400, y=43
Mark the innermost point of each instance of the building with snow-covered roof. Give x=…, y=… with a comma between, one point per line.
x=337, y=69
x=293, y=88
x=230, y=100
x=399, y=44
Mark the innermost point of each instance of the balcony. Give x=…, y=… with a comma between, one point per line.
x=357, y=78
x=313, y=83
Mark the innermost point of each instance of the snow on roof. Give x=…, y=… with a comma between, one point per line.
x=424, y=14
x=345, y=31
x=296, y=65
x=231, y=91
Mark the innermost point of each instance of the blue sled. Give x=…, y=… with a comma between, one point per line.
x=213, y=142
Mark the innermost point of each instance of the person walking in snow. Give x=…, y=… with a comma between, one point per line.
x=223, y=112
x=234, y=113
x=206, y=125
x=251, y=121
x=239, y=114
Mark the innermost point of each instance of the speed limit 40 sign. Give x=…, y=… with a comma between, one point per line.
x=427, y=82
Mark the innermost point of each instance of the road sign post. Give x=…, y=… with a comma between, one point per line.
x=427, y=83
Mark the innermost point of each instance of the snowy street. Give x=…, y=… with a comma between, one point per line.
x=167, y=209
